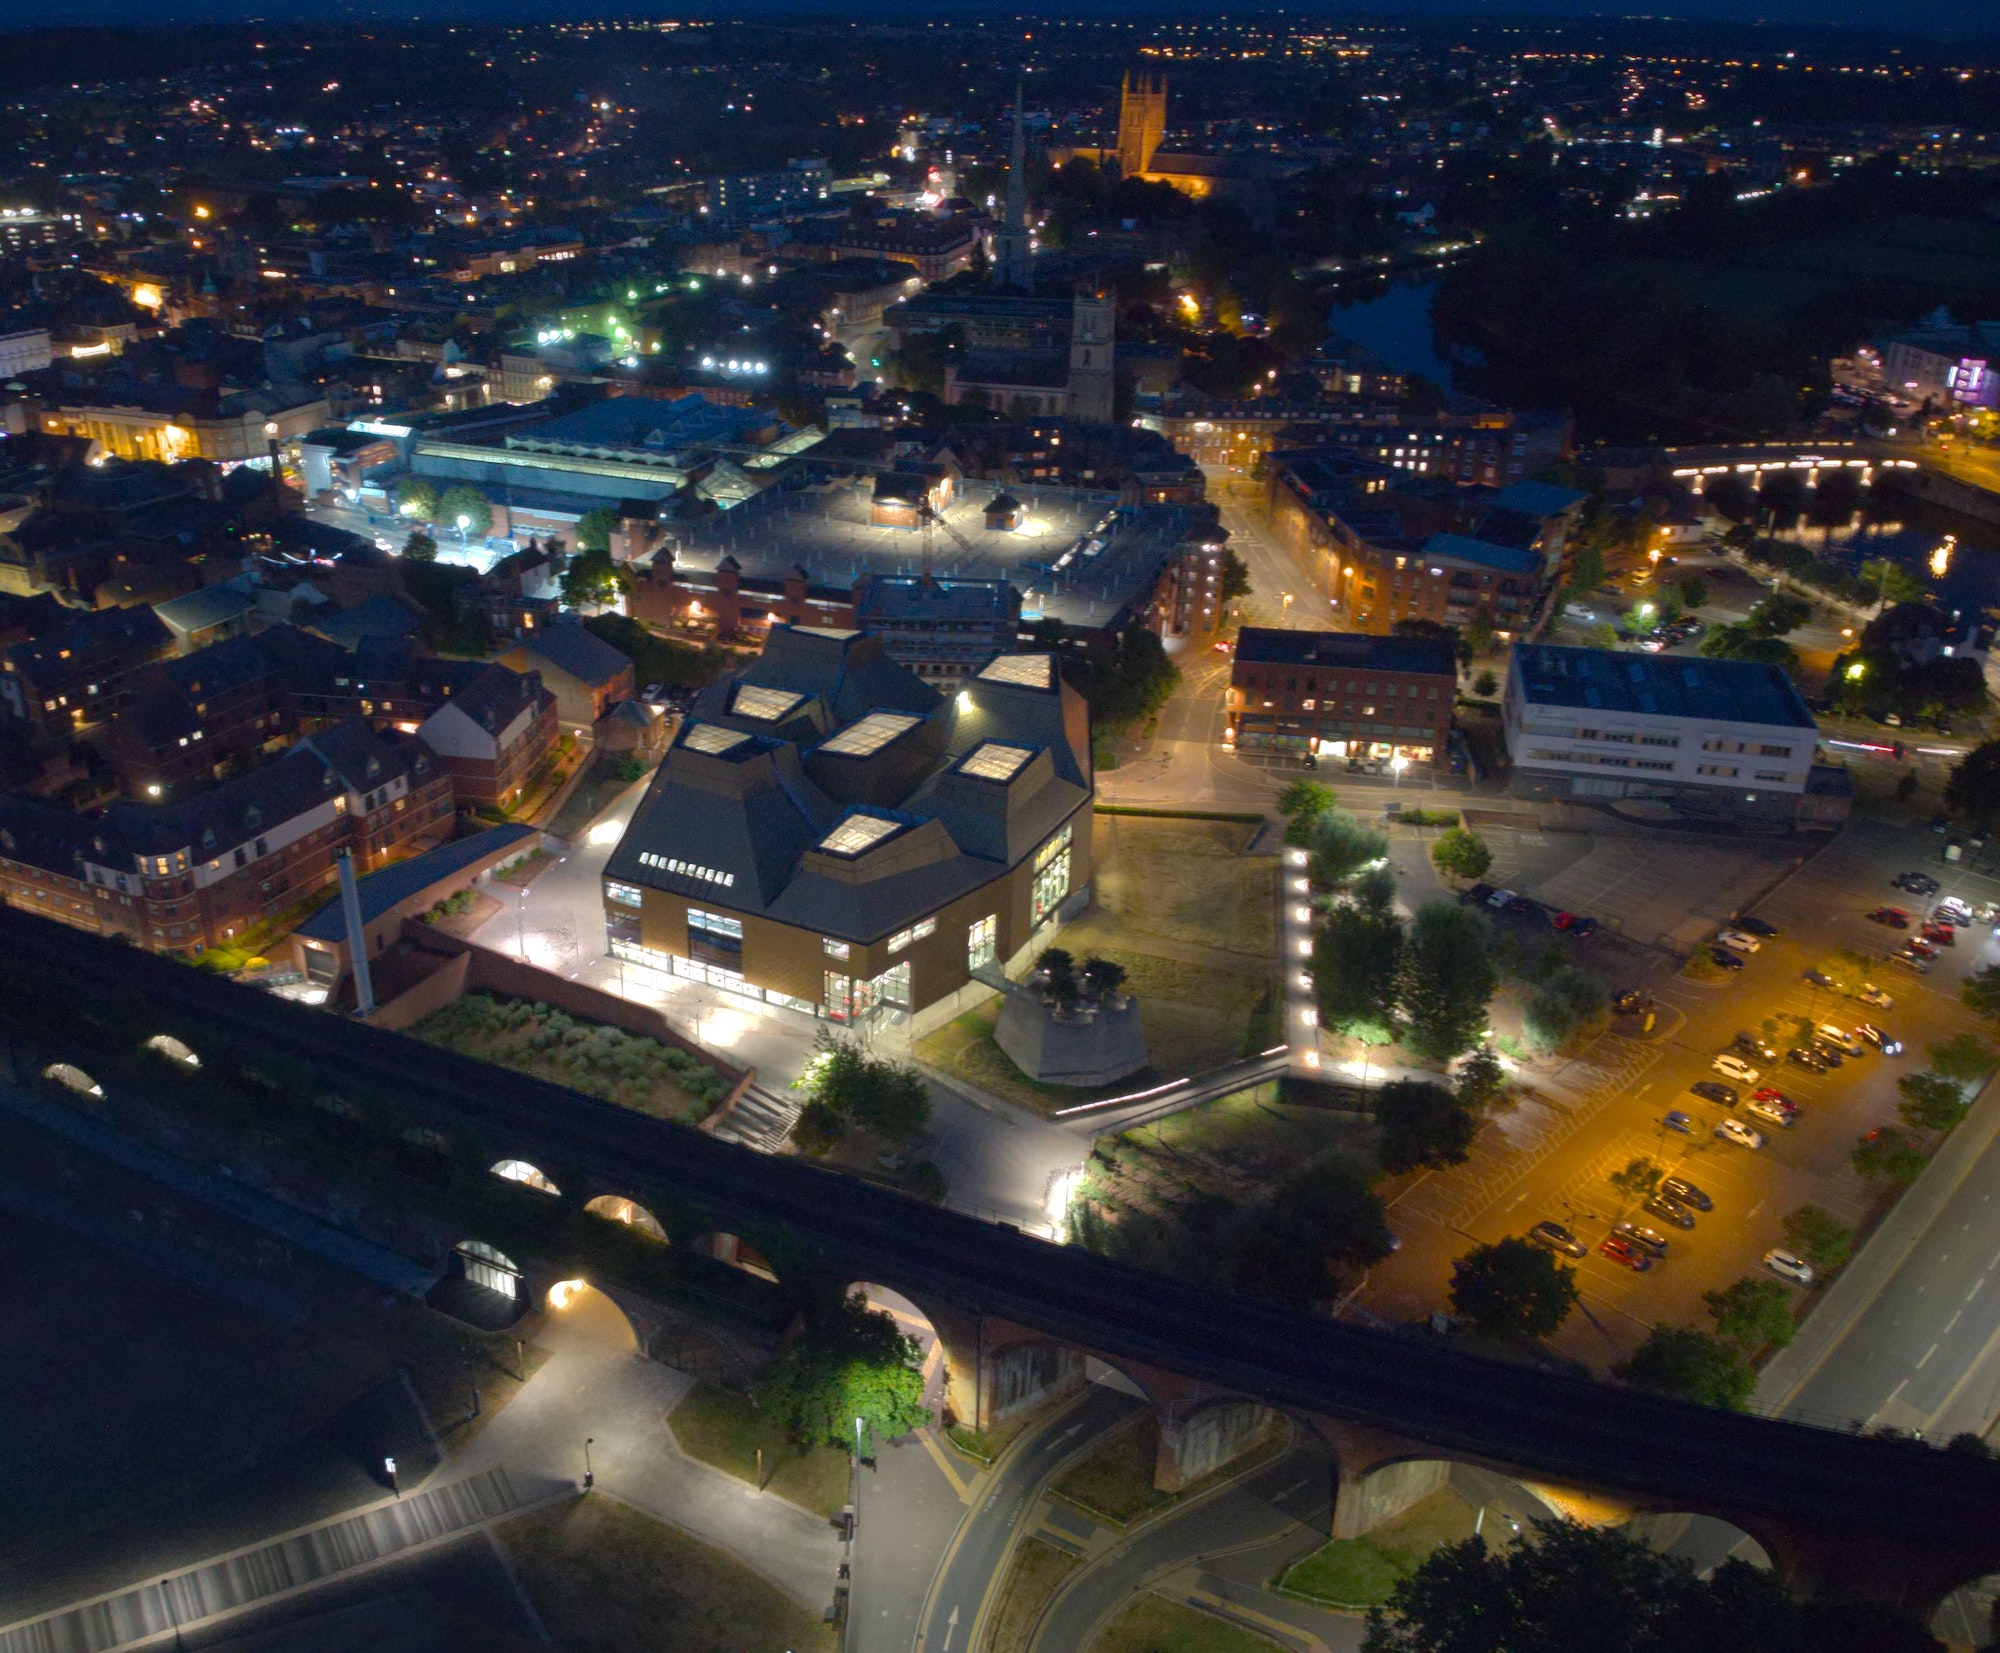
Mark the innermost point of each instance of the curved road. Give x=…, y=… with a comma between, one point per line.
x=974, y=1566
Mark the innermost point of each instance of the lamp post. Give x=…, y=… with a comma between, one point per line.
x=464, y=522
x=589, y=1475
x=1397, y=765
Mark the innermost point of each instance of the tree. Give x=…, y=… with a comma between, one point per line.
x=1846, y=972
x=1446, y=981
x=887, y=1099
x=1639, y=1181
x=1513, y=1288
x=1885, y=1154
x=1820, y=1237
x=1964, y=1059
x=1102, y=978
x=852, y=1364
x=1340, y=848
x=1752, y=1313
x=593, y=579
x=417, y=498
x=595, y=528
x=1235, y=576
x=1890, y=582
x=1481, y=1078
x=1566, y=1002
x=1486, y=685
x=1581, y=1590
x=1930, y=1103
x=465, y=509
x=1302, y=804
x=1690, y=1365
x=1461, y=853
x=1355, y=961
x=420, y=547
x=1479, y=630
x=1777, y=614
x=1586, y=573
x=1421, y=1124
x=1693, y=590
x=1973, y=787
x=1319, y=1224
x=1980, y=991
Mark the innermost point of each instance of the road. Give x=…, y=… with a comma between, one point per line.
x=966, y=1584
x=1280, y=1511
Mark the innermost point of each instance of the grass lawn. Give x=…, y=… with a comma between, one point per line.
x=1361, y=1572
x=1192, y=920
x=1037, y=1573
x=722, y=1428
x=1117, y=1479
x=1152, y=1624
x=607, y=1579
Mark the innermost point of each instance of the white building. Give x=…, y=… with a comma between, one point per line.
x=1712, y=738
x=26, y=350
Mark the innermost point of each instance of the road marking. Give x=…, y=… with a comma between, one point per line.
x=1933, y=1349
x=938, y=1457
x=1975, y=1288
x=1953, y=1321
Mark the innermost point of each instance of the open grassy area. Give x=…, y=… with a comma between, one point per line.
x=607, y=1579
x=1361, y=1572
x=1037, y=1573
x=1117, y=1479
x=1152, y=1624
x=1193, y=921
x=723, y=1428
x=537, y=1039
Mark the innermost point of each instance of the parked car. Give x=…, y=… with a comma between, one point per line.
x=1790, y=1266
x=1939, y=935
x=1670, y=1211
x=1679, y=1188
x=1734, y=1130
x=1917, y=883
x=1678, y=1121
x=1725, y=958
x=1957, y=909
x=1756, y=926
x=1894, y=917
x=1831, y=1033
x=1739, y=942
x=1832, y=1055
x=1879, y=1038
x=1918, y=948
x=1527, y=906
x=1649, y=1240
x=1621, y=1250
x=1812, y=1061
x=1749, y=1046
x=1632, y=1001
x=1734, y=1067
x=1557, y=1238
x=1500, y=898
x=1584, y=928
x=1480, y=893
x=1774, y=1113
x=1819, y=978
x=1713, y=1090
x=1910, y=961
x=1869, y=993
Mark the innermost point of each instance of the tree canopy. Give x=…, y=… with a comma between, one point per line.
x=847, y=1087
x=1690, y=1365
x=1447, y=980
x=1356, y=958
x=1461, y=853
x=1513, y=1288
x=852, y=1364
x=1421, y=1124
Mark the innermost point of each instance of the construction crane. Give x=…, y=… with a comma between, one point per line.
x=929, y=516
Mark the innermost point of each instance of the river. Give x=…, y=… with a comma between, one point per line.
x=1395, y=323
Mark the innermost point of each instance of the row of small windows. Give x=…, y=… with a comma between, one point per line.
x=916, y=932
x=687, y=869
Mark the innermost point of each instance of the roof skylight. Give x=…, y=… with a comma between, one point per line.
x=857, y=833
x=1030, y=671
x=994, y=761
x=713, y=738
x=871, y=734
x=765, y=705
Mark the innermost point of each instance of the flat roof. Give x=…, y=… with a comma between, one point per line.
x=1659, y=685
x=1270, y=646
x=1076, y=557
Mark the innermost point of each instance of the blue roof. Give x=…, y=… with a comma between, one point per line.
x=1535, y=499
x=1503, y=559
x=1659, y=685
x=380, y=891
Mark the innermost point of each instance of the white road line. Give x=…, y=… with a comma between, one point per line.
x=1975, y=1289
x=1953, y=1321
x=1933, y=1349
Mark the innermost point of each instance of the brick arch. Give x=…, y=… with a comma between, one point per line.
x=619, y=1208
x=1705, y=1540
x=736, y=1251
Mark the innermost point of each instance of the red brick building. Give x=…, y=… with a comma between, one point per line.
x=1341, y=695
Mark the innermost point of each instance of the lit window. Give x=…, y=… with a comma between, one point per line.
x=916, y=932
x=1052, y=869
x=871, y=734
x=834, y=949
x=858, y=833
x=626, y=895
x=982, y=942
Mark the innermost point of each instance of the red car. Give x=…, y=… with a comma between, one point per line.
x=1939, y=935
x=1920, y=948
x=1623, y=1251
x=1895, y=917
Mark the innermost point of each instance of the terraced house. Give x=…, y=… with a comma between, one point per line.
x=831, y=833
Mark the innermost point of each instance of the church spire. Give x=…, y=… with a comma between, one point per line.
x=1016, y=262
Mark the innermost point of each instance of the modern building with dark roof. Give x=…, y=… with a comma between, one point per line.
x=830, y=833
x=1722, y=738
x=1377, y=702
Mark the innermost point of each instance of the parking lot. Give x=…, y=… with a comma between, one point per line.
x=1551, y=1157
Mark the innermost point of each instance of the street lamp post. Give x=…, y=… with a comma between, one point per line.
x=1397, y=765
x=589, y=1475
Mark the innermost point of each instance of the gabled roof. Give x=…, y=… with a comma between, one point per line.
x=380, y=891
x=580, y=652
